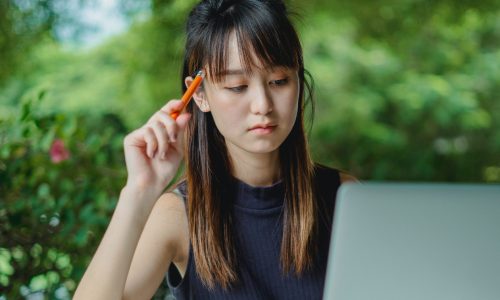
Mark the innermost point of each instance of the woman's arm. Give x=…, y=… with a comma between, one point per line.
x=164, y=240
x=105, y=277
x=153, y=154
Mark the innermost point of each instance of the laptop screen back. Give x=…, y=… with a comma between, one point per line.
x=415, y=241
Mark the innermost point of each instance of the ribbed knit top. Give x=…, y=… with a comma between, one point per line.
x=258, y=228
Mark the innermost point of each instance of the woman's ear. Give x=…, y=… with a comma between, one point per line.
x=199, y=95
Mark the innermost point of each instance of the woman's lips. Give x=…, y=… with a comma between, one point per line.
x=263, y=129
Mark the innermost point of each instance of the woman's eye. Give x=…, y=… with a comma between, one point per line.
x=280, y=81
x=237, y=89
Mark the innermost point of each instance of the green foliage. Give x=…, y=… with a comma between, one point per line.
x=131, y=75
x=26, y=23
x=424, y=110
x=53, y=213
x=152, y=58
x=22, y=24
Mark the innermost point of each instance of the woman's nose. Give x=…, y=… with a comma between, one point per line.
x=262, y=102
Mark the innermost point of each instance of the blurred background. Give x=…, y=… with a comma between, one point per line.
x=406, y=90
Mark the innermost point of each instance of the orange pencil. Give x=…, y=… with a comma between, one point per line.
x=189, y=93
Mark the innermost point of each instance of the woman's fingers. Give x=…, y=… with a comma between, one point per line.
x=170, y=125
x=161, y=129
x=151, y=141
x=172, y=106
x=183, y=120
x=151, y=155
x=162, y=137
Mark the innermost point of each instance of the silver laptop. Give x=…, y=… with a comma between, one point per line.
x=415, y=241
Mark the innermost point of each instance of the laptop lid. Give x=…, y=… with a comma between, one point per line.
x=415, y=241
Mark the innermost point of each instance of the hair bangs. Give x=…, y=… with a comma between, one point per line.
x=263, y=41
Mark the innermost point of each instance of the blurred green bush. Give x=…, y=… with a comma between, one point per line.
x=60, y=176
x=422, y=107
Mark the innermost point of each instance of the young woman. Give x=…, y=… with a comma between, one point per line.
x=252, y=218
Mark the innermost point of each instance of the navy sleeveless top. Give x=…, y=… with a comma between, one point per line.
x=258, y=229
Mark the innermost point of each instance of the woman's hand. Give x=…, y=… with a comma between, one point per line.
x=153, y=152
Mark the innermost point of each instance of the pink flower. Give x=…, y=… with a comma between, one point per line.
x=58, y=152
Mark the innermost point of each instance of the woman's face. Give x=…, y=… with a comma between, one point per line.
x=254, y=112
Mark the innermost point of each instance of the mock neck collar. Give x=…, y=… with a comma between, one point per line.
x=257, y=197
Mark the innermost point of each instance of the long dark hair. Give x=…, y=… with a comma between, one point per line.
x=263, y=28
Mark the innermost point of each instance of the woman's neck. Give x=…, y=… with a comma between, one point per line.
x=255, y=169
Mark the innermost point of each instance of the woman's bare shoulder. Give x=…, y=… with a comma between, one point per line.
x=171, y=212
x=170, y=202
x=346, y=177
